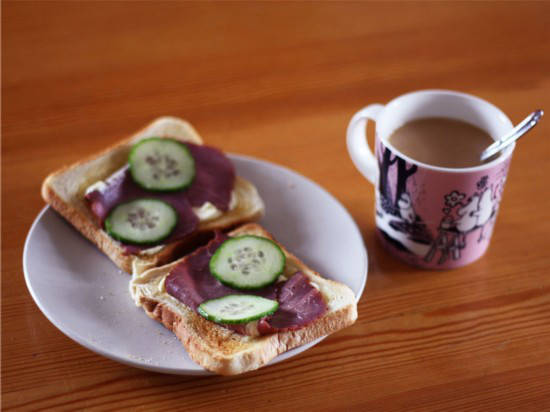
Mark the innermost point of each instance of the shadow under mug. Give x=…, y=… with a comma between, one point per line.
x=428, y=216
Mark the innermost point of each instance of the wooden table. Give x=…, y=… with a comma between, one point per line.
x=280, y=82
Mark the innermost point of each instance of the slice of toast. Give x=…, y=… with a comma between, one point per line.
x=227, y=353
x=64, y=190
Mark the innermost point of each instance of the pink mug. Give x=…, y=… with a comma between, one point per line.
x=428, y=216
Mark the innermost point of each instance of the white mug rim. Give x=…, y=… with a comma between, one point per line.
x=505, y=155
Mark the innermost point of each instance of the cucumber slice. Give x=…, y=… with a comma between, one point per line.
x=142, y=221
x=234, y=309
x=247, y=262
x=161, y=164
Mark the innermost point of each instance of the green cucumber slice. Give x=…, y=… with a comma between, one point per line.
x=235, y=309
x=248, y=262
x=161, y=164
x=142, y=221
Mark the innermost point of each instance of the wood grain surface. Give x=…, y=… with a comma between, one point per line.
x=280, y=81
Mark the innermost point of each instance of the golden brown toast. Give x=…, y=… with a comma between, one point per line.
x=222, y=351
x=64, y=190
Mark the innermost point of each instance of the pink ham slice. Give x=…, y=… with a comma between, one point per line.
x=299, y=302
x=214, y=182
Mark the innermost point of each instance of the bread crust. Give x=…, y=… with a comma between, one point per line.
x=227, y=353
x=64, y=190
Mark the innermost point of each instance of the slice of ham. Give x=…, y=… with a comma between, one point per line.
x=191, y=283
x=214, y=178
x=300, y=303
x=214, y=182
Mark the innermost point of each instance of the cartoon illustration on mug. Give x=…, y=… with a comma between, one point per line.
x=463, y=216
x=395, y=215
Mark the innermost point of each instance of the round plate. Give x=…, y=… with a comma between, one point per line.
x=86, y=296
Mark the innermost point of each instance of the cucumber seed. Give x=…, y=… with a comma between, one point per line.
x=246, y=260
x=162, y=165
x=142, y=219
x=236, y=308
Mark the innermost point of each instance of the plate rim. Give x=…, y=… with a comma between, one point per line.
x=179, y=371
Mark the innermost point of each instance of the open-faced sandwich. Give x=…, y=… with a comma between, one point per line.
x=241, y=300
x=236, y=302
x=152, y=195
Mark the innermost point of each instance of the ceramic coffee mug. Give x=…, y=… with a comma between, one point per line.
x=429, y=216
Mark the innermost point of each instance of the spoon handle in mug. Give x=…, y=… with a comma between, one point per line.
x=527, y=124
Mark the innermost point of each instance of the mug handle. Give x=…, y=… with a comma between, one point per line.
x=362, y=156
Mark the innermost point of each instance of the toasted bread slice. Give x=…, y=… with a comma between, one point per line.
x=220, y=350
x=64, y=190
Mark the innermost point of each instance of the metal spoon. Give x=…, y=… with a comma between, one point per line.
x=527, y=124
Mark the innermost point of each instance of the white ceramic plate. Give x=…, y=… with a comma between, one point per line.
x=86, y=296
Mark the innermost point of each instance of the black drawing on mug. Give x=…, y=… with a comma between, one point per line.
x=406, y=211
x=477, y=213
x=390, y=202
x=396, y=218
